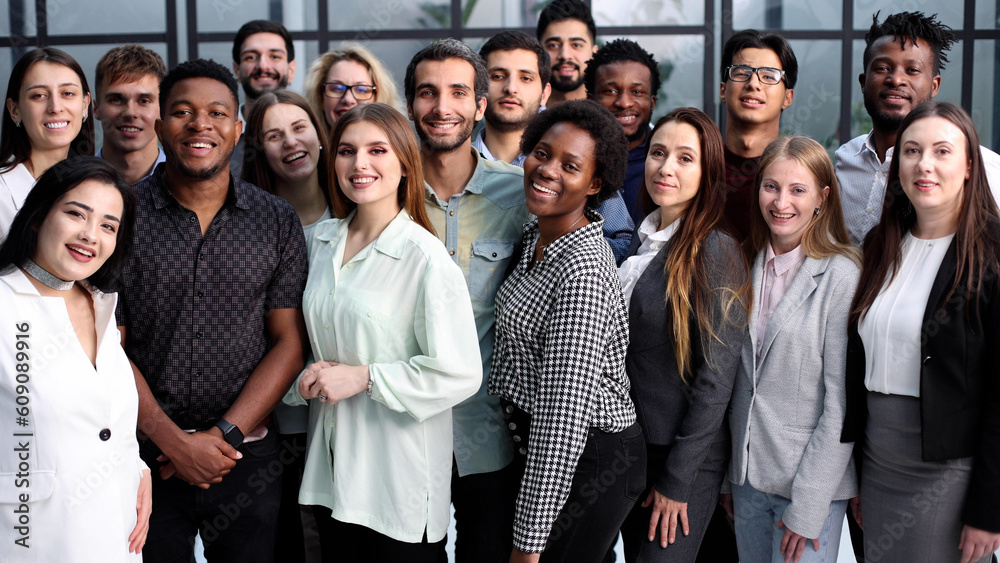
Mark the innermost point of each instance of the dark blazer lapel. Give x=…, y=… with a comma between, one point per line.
x=802, y=287
x=942, y=281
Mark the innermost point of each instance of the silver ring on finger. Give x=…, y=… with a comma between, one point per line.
x=322, y=398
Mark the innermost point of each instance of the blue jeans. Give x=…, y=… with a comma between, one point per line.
x=758, y=539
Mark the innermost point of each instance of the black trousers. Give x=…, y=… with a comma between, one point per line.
x=341, y=542
x=484, y=515
x=236, y=518
x=608, y=480
x=290, y=544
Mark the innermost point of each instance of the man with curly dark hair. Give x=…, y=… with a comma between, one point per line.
x=210, y=316
x=624, y=78
x=903, y=59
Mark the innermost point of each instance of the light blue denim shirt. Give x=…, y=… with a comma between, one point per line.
x=480, y=227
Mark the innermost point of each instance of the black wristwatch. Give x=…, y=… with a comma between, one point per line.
x=230, y=432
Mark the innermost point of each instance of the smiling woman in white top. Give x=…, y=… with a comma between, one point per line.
x=47, y=116
x=72, y=481
x=788, y=464
x=922, y=362
x=390, y=321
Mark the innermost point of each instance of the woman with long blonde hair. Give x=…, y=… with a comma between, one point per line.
x=788, y=465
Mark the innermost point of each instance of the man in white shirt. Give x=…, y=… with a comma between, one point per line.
x=127, y=105
x=903, y=59
x=519, y=74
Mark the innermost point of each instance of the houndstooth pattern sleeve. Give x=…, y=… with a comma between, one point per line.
x=562, y=332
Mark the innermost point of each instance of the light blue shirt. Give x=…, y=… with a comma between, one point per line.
x=480, y=227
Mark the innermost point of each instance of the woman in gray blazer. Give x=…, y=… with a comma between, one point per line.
x=686, y=287
x=788, y=465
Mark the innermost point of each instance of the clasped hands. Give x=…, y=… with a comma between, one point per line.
x=333, y=382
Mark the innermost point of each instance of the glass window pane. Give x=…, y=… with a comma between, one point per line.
x=784, y=14
x=986, y=93
x=815, y=109
x=950, y=90
x=378, y=15
x=7, y=60
x=949, y=13
x=230, y=15
x=395, y=54
x=27, y=17
x=648, y=12
x=986, y=14
x=500, y=13
x=113, y=16
x=680, y=59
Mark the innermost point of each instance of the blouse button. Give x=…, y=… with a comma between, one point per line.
x=517, y=438
x=927, y=359
x=523, y=451
x=512, y=426
x=451, y=252
x=494, y=254
x=192, y=219
x=104, y=435
x=451, y=213
x=370, y=314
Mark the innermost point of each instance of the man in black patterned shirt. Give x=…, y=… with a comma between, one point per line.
x=210, y=316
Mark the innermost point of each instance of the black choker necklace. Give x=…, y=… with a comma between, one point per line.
x=43, y=275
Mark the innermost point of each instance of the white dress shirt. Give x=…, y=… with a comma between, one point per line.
x=401, y=307
x=652, y=241
x=891, y=328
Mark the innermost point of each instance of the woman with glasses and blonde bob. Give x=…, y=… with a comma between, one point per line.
x=791, y=476
x=343, y=78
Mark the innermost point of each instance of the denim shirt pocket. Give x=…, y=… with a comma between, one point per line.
x=486, y=268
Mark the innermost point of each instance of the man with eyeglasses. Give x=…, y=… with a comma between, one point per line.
x=263, y=61
x=758, y=77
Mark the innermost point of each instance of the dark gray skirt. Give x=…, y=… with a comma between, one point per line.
x=911, y=508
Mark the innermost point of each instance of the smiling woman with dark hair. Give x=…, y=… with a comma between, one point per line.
x=48, y=115
x=561, y=335
x=73, y=478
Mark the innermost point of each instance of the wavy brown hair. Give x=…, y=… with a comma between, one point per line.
x=688, y=287
x=827, y=234
x=403, y=142
x=256, y=170
x=976, y=242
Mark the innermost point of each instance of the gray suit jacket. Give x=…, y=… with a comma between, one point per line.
x=787, y=414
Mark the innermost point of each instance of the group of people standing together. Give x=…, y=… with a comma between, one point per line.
x=343, y=320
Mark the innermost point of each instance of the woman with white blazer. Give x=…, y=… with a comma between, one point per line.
x=72, y=486
x=791, y=475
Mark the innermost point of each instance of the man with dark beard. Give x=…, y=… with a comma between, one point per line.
x=263, y=61
x=903, y=59
x=519, y=74
x=567, y=31
x=477, y=208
